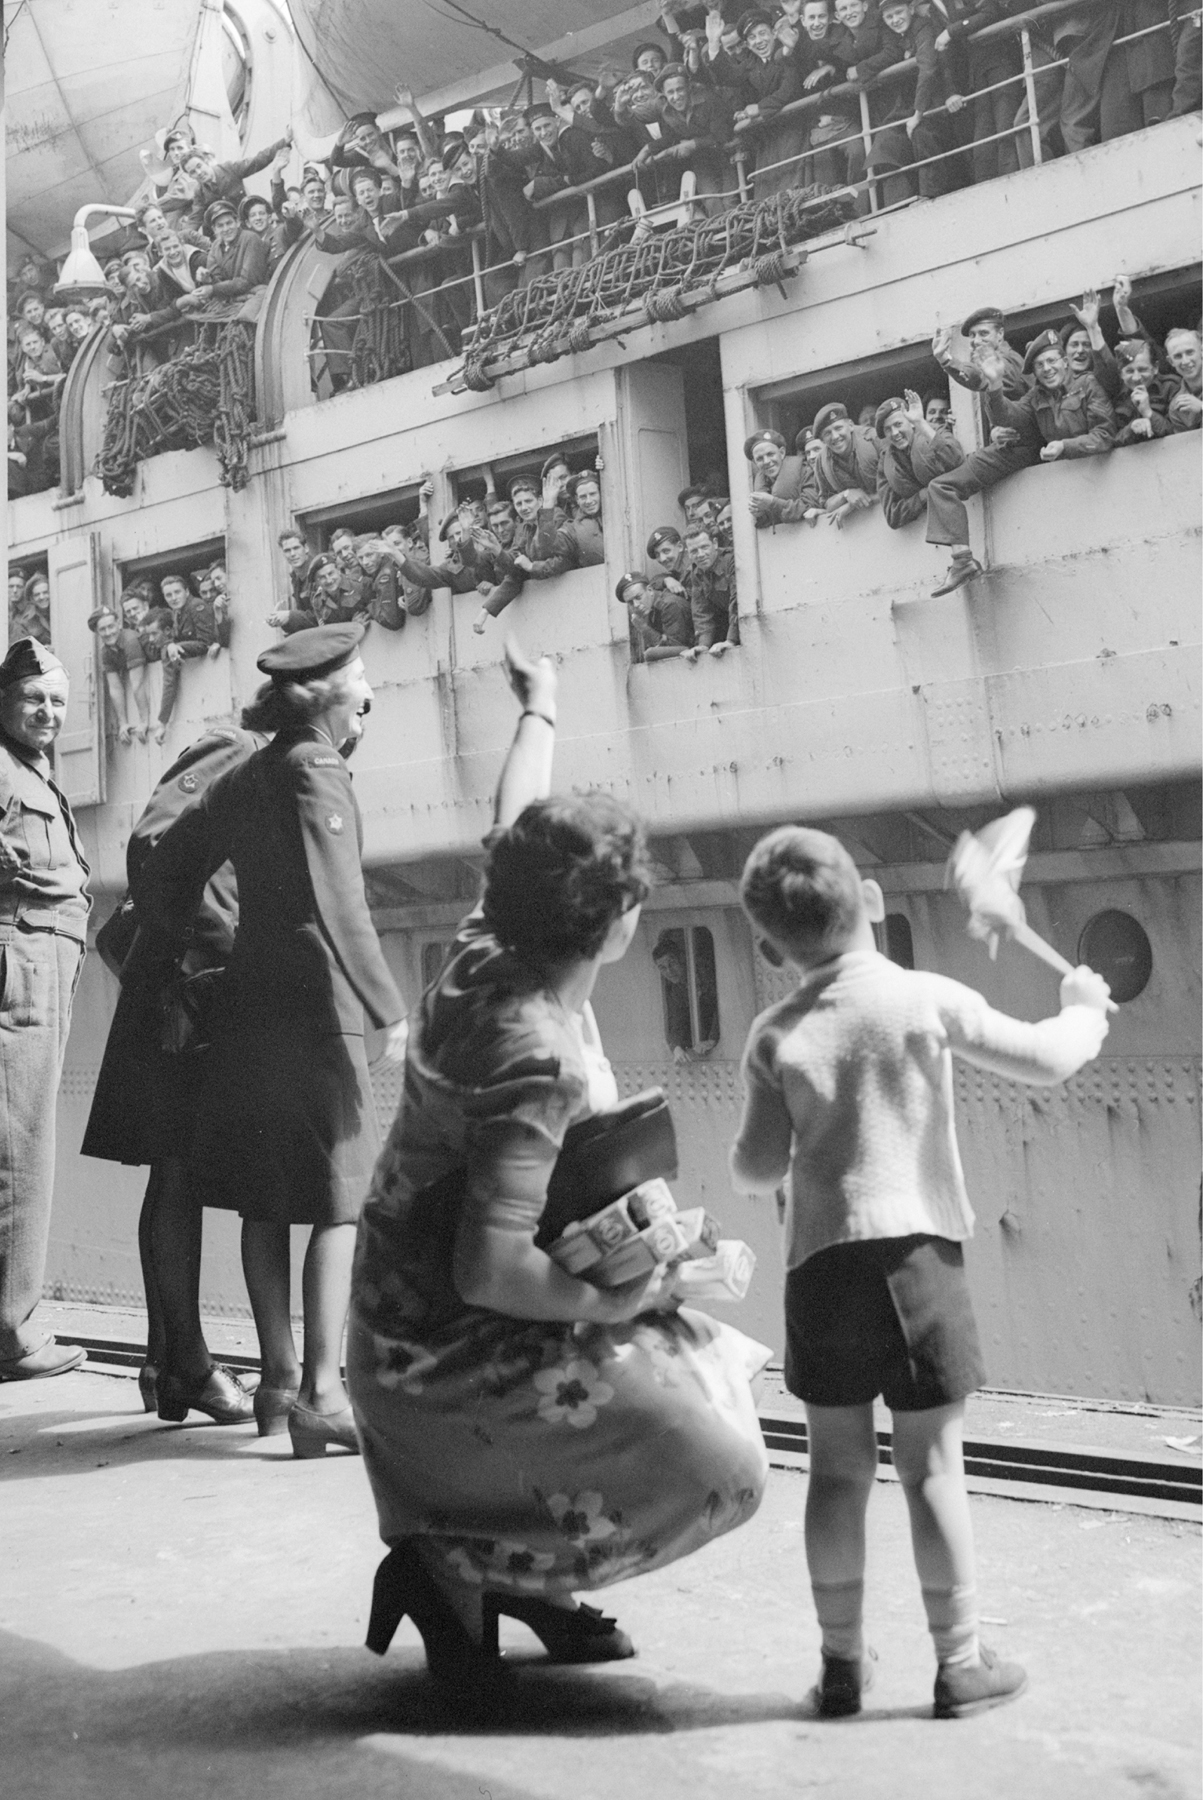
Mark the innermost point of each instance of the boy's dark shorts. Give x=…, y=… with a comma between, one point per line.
x=890, y=1316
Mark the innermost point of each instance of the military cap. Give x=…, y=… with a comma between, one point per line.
x=803, y=438
x=668, y=71
x=762, y=437
x=217, y=210
x=318, y=563
x=180, y=134
x=755, y=15
x=308, y=654
x=448, y=522
x=1048, y=340
x=30, y=294
x=632, y=578
x=985, y=315
x=363, y=172
x=102, y=612
x=539, y=110
x=522, y=481
x=887, y=407
x=663, y=534
x=641, y=50
x=552, y=462
x=246, y=205
x=827, y=415
x=27, y=659
x=360, y=118
x=1067, y=331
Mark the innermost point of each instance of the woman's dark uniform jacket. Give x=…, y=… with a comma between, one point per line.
x=145, y=1101
x=287, y=1127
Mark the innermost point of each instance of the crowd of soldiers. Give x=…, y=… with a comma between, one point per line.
x=743, y=100
x=1068, y=394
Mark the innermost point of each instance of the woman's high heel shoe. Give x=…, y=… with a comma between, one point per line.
x=272, y=1407
x=221, y=1395
x=148, y=1384
x=583, y=1635
x=312, y=1433
x=404, y=1586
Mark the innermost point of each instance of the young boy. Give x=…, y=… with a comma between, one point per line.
x=849, y=1095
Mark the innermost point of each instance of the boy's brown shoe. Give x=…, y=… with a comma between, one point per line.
x=965, y=1688
x=842, y=1681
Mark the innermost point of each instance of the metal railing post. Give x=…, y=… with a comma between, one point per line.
x=477, y=283
x=741, y=173
x=591, y=207
x=866, y=132
x=1029, y=84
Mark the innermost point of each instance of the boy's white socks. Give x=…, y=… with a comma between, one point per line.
x=952, y=1621
x=839, y=1607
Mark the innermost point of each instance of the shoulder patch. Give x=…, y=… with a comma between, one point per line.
x=189, y=783
x=334, y=822
x=324, y=762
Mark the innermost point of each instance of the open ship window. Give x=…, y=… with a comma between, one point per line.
x=148, y=573
x=684, y=959
x=396, y=506
x=472, y=483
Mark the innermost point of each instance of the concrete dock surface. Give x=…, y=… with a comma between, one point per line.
x=182, y=1610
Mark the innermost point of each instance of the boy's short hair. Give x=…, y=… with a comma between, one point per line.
x=802, y=888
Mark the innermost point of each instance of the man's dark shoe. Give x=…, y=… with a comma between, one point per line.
x=965, y=1688
x=842, y=1681
x=960, y=570
x=49, y=1359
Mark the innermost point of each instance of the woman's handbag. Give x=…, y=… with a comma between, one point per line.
x=606, y=1156
x=186, y=1005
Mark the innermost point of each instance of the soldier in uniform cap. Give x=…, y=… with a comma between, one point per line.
x=286, y=1132
x=44, y=907
x=779, y=481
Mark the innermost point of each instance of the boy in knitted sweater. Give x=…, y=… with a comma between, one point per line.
x=849, y=1100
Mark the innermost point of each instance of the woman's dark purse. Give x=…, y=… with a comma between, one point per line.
x=186, y=1006
x=606, y=1156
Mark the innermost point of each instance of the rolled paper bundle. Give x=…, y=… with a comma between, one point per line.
x=661, y=1243
x=726, y=1275
x=612, y=1226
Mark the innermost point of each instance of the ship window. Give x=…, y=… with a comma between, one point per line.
x=149, y=572
x=1117, y=946
x=28, y=605
x=473, y=482
x=397, y=506
x=684, y=959
x=898, y=943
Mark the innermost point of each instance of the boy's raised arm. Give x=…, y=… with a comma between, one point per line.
x=1044, y=1053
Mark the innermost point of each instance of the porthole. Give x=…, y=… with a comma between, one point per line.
x=1117, y=946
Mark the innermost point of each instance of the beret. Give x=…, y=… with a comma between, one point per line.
x=755, y=15
x=553, y=461
x=360, y=118
x=885, y=5
x=318, y=651
x=632, y=578
x=985, y=315
x=102, y=612
x=1127, y=348
x=669, y=70
x=663, y=534
x=520, y=482
x=27, y=658
x=762, y=437
x=363, y=172
x=641, y=49
x=1067, y=331
x=318, y=563
x=30, y=294
x=804, y=437
x=539, y=110
x=219, y=209
x=1048, y=340
x=893, y=405
x=827, y=415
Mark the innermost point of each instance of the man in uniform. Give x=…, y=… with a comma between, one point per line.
x=711, y=584
x=661, y=622
x=43, y=936
x=778, y=480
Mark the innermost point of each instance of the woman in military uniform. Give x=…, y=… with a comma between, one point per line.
x=144, y=1107
x=287, y=1131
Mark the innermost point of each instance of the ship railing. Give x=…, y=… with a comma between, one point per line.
x=750, y=174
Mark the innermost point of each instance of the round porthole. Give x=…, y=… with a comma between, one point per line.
x=1116, y=945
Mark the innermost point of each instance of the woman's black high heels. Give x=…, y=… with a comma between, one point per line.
x=404, y=1585
x=584, y=1635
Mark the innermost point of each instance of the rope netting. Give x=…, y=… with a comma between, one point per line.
x=204, y=395
x=668, y=273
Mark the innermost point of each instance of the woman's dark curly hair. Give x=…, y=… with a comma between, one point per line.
x=563, y=872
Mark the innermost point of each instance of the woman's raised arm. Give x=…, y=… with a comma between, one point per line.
x=526, y=773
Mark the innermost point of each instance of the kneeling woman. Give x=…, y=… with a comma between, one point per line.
x=527, y=1435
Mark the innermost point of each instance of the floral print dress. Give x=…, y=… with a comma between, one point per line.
x=532, y=1455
